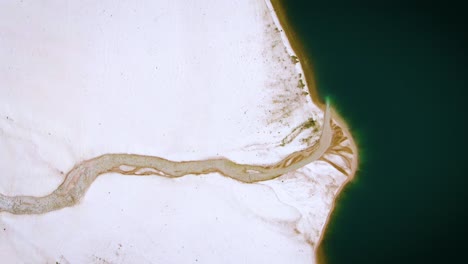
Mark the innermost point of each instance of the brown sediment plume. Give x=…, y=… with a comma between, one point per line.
x=335, y=144
x=352, y=149
x=320, y=255
x=348, y=151
x=296, y=45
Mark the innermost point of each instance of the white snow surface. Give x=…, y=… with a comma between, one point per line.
x=182, y=80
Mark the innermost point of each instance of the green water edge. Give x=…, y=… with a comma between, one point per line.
x=397, y=73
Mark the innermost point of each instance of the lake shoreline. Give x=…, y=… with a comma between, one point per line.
x=292, y=43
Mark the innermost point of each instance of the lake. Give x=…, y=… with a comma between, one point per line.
x=397, y=73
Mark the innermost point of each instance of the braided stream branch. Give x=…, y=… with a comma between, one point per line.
x=80, y=178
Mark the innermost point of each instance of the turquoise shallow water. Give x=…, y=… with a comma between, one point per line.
x=397, y=72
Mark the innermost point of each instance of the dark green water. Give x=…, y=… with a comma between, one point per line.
x=397, y=72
